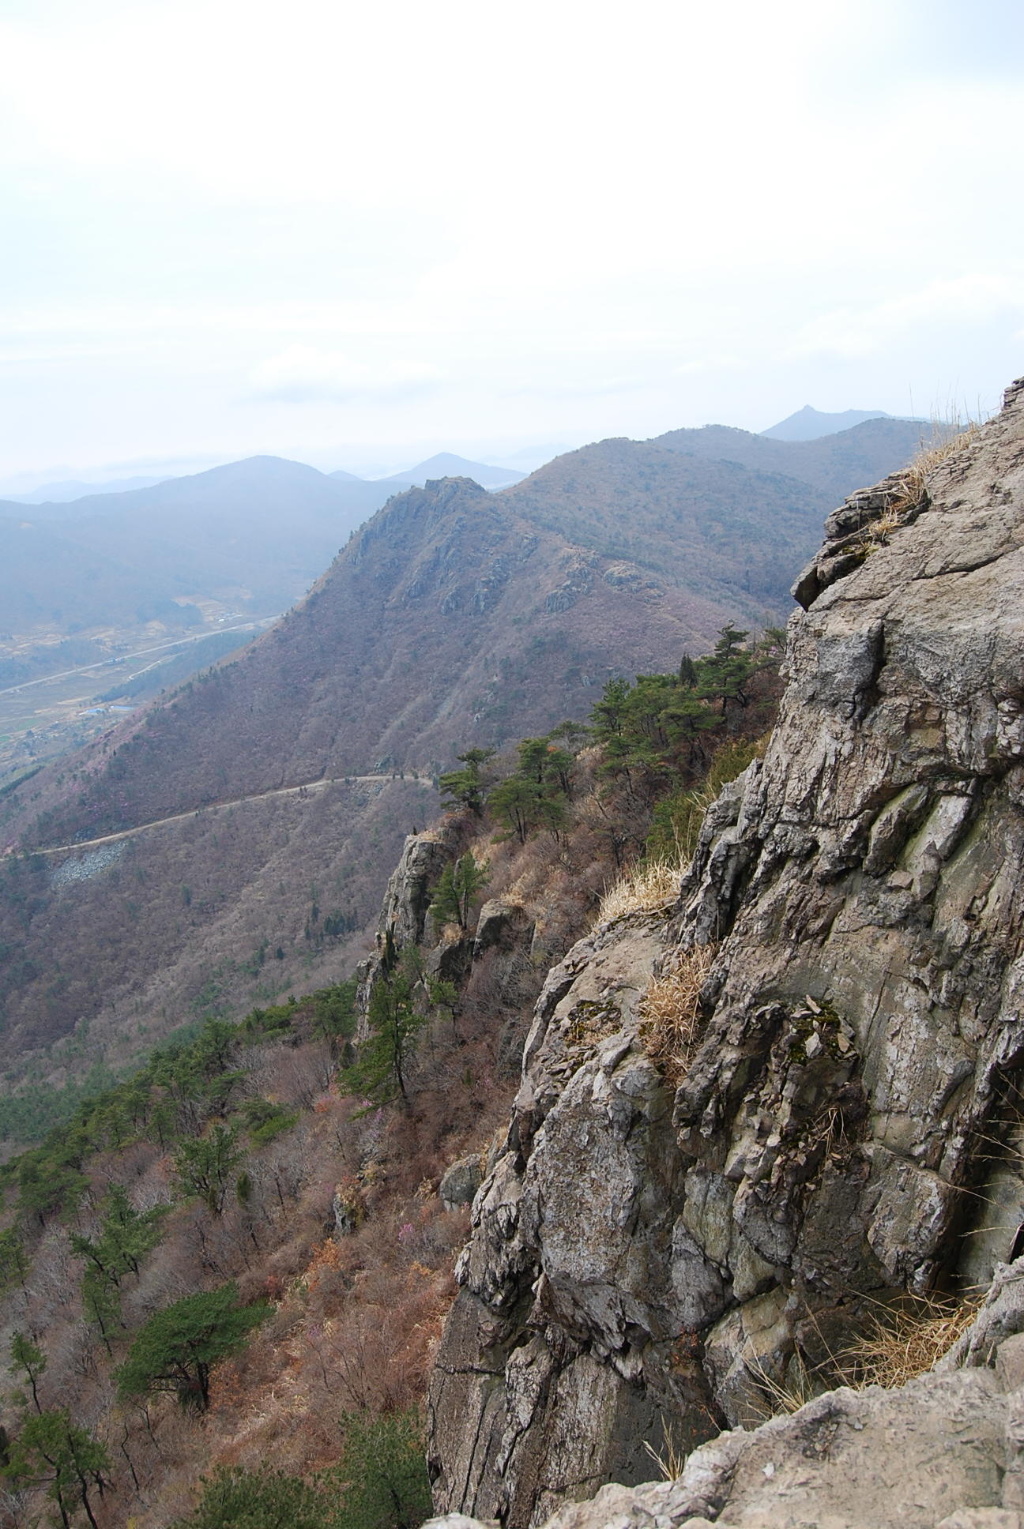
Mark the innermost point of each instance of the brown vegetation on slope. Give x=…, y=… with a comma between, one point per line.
x=449, y=618
x=336, y=1220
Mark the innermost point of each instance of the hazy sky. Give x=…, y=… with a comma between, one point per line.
x=343, y=231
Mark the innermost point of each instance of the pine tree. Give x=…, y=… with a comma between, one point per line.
x=455, y=891
x=205, y=1165
x=29, y=1360
x=52, y=1451
x=467, y=787
x=379, y=1071
x=177, y=1348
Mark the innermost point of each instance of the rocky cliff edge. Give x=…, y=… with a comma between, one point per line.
x=942, y=1452
x=660, y=1249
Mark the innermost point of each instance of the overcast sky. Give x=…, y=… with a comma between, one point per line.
x=353, y=232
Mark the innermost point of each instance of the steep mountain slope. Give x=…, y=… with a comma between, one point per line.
x=454, y=617
x=109, y=579
x=748, y=1127
x=446, y=620
x=833, y=465
x=709, y=526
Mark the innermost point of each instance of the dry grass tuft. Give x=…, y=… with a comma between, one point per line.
x=670, y=1012
x=899, y=1345
x=789, y=1395
x=911, y=488
x=906, y=1343
x=671, y=1459
x=926, y=460
x=645, y=889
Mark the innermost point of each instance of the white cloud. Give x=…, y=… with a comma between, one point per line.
x=303, y=374
x=853, y=332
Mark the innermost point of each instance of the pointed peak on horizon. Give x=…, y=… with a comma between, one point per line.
x=809, y=423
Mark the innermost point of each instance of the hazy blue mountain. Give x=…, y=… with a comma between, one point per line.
x=343, y=477
x=256, y=533
x=50, y=582
x=833, y=465
x=809, y=424
x=73, y=488
x=447, y=465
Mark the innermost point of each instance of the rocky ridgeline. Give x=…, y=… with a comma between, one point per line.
x=653, y=1264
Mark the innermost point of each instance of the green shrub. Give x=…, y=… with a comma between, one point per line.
x=266, y=1120
x=380, y=1483
x=263, y=1499
x=383, y=1473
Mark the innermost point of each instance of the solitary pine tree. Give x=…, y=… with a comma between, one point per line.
x=380, y=1070
x=467, y=787
x=456, y=890
x=178, y=1347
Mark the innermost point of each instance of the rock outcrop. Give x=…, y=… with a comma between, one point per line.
x=942, y=1452
x=650, y=1263
x=403, y=915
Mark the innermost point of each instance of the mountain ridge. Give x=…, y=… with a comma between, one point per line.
x=454, y=616
x=808, y=423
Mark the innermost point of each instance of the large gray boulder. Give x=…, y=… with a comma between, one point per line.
x=403, y=916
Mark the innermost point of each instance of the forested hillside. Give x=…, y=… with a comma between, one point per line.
x=275, y=782
x=242, y=1252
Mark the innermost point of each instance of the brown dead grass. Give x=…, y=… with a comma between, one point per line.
x=913, y=478
x=670, y=1012
x=911, y=487
x=647, y=888
x=898, y=1345
x=927, y=459
x=901, y=1345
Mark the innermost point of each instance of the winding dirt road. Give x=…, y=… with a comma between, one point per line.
x=309, y=788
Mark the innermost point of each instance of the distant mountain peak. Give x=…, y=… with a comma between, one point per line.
x=447, y=465
x=809, y=424
x=70, y=489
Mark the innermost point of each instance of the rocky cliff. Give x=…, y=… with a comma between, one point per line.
x=671, y=1236
x=941, y=1452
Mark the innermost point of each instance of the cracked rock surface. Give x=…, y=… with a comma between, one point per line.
x=646, y=1264
x=945, y=1451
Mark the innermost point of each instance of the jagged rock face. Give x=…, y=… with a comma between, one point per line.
x=640, y=1262
x=942, y=1452
x=559, y=1359
x=403, y=914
